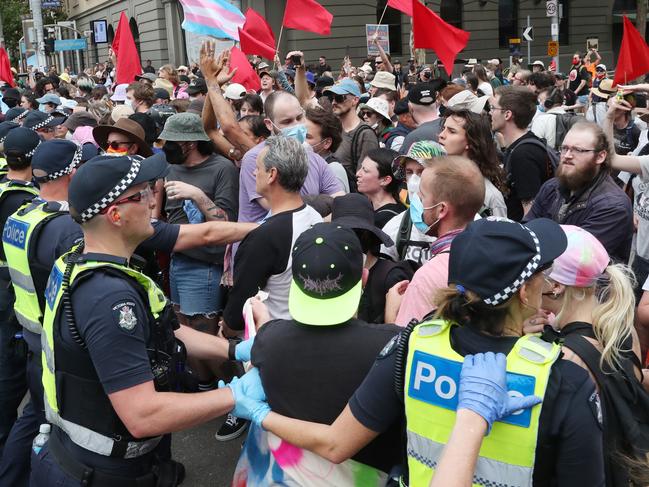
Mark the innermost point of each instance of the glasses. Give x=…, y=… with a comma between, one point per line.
x=365, y=113
x=113, y=144
x=337, y=98
x=499, y=108
x=378, y=62
x=134, y=198
x=575, y=150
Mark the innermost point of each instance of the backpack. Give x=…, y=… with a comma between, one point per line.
x=553, y=155
x=403, y=241
x=355, y=153
x=625, y=405
x=565, y=121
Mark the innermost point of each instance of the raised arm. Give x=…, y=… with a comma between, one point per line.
x=622, y=163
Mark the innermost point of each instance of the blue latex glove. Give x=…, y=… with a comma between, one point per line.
x=249, y=397
x=194, y=215
x=483, y=388
x=242, y=350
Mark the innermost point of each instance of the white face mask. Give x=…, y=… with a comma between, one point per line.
x=133, y=105
x=68, y=135
x=413, y=184
x=375, y=125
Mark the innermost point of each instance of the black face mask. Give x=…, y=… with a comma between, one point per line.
x=442, y=110
x=174, y=153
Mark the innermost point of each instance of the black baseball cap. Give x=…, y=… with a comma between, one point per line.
x=103, y=179
x=55, y=158
x=422, y=94
x=161, y=93
x=22, y=140
x=355, y=211
x=198, y=85
x=401, y=107
x=327, y=275
x=494, y=257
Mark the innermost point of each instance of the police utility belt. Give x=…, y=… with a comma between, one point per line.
x=430, y=389
x=71, y=386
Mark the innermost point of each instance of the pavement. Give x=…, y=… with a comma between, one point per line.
x=208, y=463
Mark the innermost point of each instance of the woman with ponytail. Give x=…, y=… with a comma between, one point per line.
x=594, y=298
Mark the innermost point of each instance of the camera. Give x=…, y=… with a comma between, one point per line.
x=296, y=60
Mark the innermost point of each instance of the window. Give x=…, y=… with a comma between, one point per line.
x=507, y=21
x=564, y=24
x=136, y=33
x=451, y=12
x=392, y=18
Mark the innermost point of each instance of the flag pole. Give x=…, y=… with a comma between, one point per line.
x=279, y=39
x=383, y=14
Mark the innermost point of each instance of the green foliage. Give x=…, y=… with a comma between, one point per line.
x=11, y=11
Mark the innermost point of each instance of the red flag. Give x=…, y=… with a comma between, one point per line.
x=257, y=37
x=307, y=15
x=431, y=32
x=5, y=69
x=245, y=75
x=404, y=6
x=633, y=60
x=128, y=64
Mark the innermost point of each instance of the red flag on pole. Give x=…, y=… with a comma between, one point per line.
x=257, y=37
x=404, y=6
x=633, y=60
x=431, y=32
x=245, y=75
x=307, y=15
x=128, y=64
x=5, y=69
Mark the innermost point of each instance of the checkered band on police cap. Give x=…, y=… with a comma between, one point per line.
x=527, y=272
x=76, y=159
x=20, y=116
x=31, y=152
x=42, y=124
x=116, y=192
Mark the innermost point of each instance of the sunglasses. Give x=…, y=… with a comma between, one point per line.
x=134, y=198
x=365, y=113
x=113, y=144
x=337, y=98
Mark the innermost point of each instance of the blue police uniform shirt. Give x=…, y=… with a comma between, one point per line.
x=111, y=316
x=573, y=425
x=60, y=235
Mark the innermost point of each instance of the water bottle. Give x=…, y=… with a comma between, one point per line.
x=41, y=438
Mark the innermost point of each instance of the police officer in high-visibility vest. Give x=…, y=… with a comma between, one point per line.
x=15, y=189
x=5, y=127
x=496, y=280
x=111, y=363
x=49, y=232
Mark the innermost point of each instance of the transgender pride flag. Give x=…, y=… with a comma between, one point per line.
x=216, y=18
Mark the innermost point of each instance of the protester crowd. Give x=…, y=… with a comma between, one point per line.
x=395, y=276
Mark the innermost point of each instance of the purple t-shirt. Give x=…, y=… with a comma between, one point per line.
x=319, y=180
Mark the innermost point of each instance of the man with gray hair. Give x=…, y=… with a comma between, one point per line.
x=263, y=260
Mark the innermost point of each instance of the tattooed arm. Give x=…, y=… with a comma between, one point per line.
x=177, y=190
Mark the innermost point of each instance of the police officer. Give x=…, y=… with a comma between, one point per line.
x=5, y=127
x=495, y=283
x=15, y=188
x=50, y=232
x=110, y=360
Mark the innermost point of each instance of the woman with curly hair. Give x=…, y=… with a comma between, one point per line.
x=468, y=134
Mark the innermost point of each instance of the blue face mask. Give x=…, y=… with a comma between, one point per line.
x=541, y=108
x=417, y=214
x=298, y=132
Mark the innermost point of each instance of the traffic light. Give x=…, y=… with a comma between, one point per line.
x=49, y=46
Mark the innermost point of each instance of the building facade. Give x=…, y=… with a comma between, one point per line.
x=155, y=25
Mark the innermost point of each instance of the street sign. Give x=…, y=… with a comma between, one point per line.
x=51, y=3
x=528, y=33
x=515, y=46
x=551, y=8
x=554, y=29
x=70, y=44
x=553, y=48
x=592, y=43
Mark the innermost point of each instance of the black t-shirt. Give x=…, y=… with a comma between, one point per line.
x=372, y=305
x=575, y=76
x=626, y=139
x=527, y=169
x=569, y=421
x=100, y=302
x=310, y=372
x=387, y=212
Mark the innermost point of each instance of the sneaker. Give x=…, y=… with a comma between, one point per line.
x=231, y=428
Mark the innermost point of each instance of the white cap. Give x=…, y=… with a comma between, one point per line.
x=45, y=428
x=538, y=63
x=378, y=105
x=494, y=61
x=120, y=92
x=234, y=91
x=601, y=66
x=465, y=99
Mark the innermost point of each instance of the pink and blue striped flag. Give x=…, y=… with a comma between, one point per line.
x=216, y=18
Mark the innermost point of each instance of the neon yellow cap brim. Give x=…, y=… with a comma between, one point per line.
x=323, y=312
